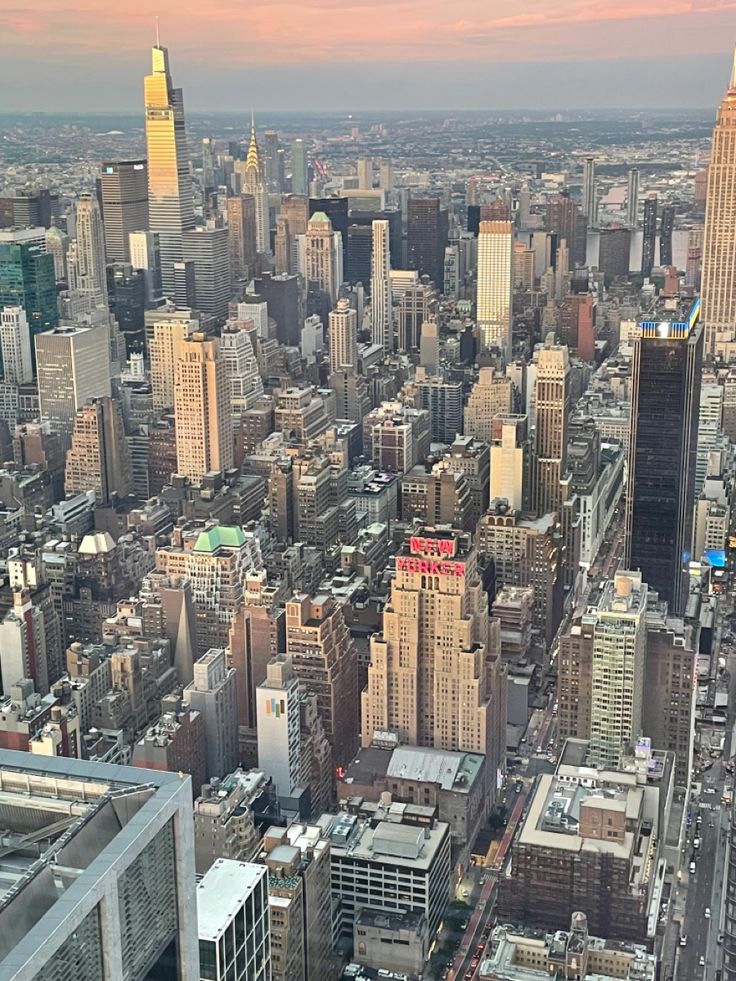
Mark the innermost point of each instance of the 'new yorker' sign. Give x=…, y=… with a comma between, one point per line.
x=434, y=552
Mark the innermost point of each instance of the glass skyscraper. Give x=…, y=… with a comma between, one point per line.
x=663, y=447
x=27, y=278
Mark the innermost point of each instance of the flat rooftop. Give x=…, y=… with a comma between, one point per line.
x=221, y=893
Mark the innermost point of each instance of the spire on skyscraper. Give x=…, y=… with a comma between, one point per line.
x=253, y=157
x=732, y=83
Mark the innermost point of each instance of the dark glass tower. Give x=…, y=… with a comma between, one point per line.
x=662, y=450
x=666, y=227
x=427, y=236
x=650, y=235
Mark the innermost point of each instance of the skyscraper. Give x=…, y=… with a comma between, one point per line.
x=254, y=183
x=299, y=169
x=667, y=224
x=343, y=336
x=170, y=208
x=27, y=277
x=649, y=239
x=427, y=236
x=494, y=298
x=86, y=256
x=73, y=365
x=208, y=252
x=273, y=161
x=15, y=346
x=242, y=236
x=617, y=682
x=323, y=257
x=99, y=458
x=632, y=198
x=204, y=433
x=663, y=447
x=123, y=188
x=564, y=218
x=718, y=288
x=365, y=172
x=589, y=191
x=164, y=351
x=212, y=694
x=434, y=675
x=382, y=325
x=552, y=402
x=130, y=909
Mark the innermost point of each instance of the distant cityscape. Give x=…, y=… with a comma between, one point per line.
x=367, y=525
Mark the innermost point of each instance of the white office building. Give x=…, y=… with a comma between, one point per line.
x=494, y=300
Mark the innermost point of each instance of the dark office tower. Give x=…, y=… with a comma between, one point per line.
x=124, y=205
x=663, y=447
x=300, y=169
x=358, y=259
x=650, y=236
x=336, y=210
x=126, y=291
x=666, y=226
x=281, y=293
x=474, y=219
x=613, y=257
x=271, y=161
x=565, y=219
x=29, y=206
x=393, y=217
x=208, y=164
x=427, y=238
x=242, y=241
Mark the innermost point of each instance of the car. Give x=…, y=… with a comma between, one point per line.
x=692, y=868
x=696, y=843
x=466, y=892
x=683, y=940
x=707, y=912
x=710, y=790
x=701, y=962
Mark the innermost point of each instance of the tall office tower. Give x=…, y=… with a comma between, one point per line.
x=617, y=681
x=242, y=239
x=299, y=168
x=86, y=256
x=575, y=677
x=427, y=237
x=614, y=252
x=434, y=678
x=232, y=922
x=565, y=219
x=212, y=693
x=292, y=221
x=413, y=311
x=365, y=172
x=27, y=277
x=429, y=350
x=272, y=161
x=204, y=430
x=170, y=208
x=278, y=728
x=718, y=288
x=492, y=394
x=495, y=292
x=336, y=210
x=552, y=401
x=130, y=911
x=632, y=198
x=649, y=238
x=73, y=365
x=57, y=245
x=589, y=203
x=452, y=272
x=123, y=188
x=666, y=227
x=343, y=335
x=253, y=173
x=694, y=258
x=23, y=651
x=246, y=385
x=208, y=163
x=325, y=661
x=15, y=346
x=144, y=255
x=164, y=352
x=444, y=402
x=323, y=257
x=382, y=320
x=99, y=459
x=208, y=251
x=386, y=174
x=665, y=400
x=508, y=459
x=524, y=205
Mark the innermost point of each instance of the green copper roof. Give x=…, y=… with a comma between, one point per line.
x=220, y=535
x=320, y=218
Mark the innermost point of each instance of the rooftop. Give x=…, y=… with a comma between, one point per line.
x=222, y=892
x=219, y=536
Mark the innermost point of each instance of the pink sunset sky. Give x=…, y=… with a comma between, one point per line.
x=75, y=45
